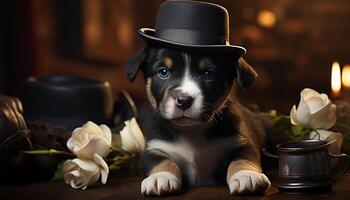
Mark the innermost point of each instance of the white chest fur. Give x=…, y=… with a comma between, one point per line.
x=194, y=154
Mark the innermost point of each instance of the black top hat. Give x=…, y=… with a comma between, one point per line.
x=191, y=25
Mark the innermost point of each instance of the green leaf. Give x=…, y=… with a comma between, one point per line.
x=118, y=160
x=117, y=146
x=58, y=176
x=297, y=129
x=281, y=121
x=300, y=133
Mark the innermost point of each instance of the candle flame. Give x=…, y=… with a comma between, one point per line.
x=346, y=76
x=336, y=78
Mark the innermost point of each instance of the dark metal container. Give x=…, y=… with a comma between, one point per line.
x=306, y=165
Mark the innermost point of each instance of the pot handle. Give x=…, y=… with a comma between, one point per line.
x=340, y=169
x=267, y=153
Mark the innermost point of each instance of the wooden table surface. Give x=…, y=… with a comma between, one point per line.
x=129, y=188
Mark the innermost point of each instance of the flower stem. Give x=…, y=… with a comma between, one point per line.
x=115, y=149
x=49, y=152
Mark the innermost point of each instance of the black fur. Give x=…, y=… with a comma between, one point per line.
x=154, y=127
x=244, y=72
x=223, y=123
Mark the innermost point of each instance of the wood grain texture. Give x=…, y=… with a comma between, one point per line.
x=129, y=188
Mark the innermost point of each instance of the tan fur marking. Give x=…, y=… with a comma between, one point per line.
x=167, y=166
x=239, y=165
x=150, y=96
x=168, y=62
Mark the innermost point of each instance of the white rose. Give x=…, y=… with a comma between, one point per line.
x=80, y=173
x=90, y=139
x=132, y=137
x=314, y=111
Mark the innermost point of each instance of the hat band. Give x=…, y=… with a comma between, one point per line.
x=190, y=37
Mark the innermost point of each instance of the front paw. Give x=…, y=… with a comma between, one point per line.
x=160, y=183
x=248, y=182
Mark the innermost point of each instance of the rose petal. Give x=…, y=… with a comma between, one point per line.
x=71, y=175
x=307, y=93
x=303, y=114
x=81, y=136
x=68, y=165
x=89, y=170
x=137, y=132
x=91, y=129
x=323, y=119
x=80, y=173
x=75, y=180
x=97, y=144
x=74, y=143
x=315, y=110
x=92, y=178
x=106, y=132
x=104, y=170
x=129, y=143
x=86, y=165
x=293, y=117
x=332, y=117
x=315, y=104
x=76, y=130
x=90, y=139
x=325, y=98
x=132, y=137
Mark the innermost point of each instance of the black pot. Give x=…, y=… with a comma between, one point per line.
x=306, y=166
x=67, y=100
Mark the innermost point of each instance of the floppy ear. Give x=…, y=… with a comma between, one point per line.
x=245, y=73
x=134, y=64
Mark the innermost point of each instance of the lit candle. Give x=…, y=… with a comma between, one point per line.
x=345, y=77
x=346, y=81
x=336, y=80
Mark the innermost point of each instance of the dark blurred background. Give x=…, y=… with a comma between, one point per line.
x=291, y=43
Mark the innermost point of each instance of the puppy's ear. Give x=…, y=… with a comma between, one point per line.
x=134, y=64
x=245, y=73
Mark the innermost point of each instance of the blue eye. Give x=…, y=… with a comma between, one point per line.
x=163, y=73
x=209, y=75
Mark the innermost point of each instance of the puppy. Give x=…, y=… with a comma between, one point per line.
x=197, y=131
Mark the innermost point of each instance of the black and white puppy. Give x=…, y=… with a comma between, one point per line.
x=196, y=130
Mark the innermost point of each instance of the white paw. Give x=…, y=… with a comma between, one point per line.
x=160, y=183
x=248, y=182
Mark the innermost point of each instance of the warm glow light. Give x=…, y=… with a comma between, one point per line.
x=345, y=76
x=266, y=19
x=93, y=23
x=336, y=79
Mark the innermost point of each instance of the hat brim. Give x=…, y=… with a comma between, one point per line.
x=147, y=34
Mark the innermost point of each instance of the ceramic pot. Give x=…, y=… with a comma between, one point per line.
x=67, y=100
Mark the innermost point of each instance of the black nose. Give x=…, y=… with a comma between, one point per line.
x=184, y=101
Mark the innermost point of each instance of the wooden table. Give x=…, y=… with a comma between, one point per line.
x=129, y=188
